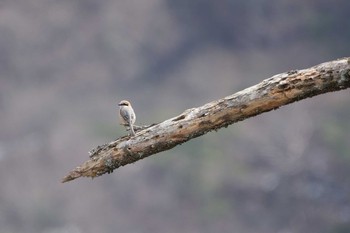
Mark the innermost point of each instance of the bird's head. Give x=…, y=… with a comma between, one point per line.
x=124, y=103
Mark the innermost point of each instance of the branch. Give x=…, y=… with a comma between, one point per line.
x=272, y=93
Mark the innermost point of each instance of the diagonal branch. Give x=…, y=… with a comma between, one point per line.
x=272, y=93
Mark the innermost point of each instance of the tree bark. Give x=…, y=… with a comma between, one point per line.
x=271, y=93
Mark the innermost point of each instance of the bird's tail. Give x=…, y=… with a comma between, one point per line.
x=132, y=130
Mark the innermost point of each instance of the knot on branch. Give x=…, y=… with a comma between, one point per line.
x=344, y=77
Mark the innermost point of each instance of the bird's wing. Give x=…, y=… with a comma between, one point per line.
x=125, y=115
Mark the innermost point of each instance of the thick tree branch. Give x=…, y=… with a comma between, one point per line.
x=270, y=94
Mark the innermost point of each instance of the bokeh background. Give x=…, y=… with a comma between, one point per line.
x=65, y=64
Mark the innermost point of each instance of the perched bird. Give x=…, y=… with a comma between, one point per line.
x=127, y=115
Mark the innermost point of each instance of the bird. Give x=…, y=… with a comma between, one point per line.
x=127, y=115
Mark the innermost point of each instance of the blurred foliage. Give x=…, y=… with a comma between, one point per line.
x=65, y=64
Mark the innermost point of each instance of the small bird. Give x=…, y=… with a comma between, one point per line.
x=127, y=115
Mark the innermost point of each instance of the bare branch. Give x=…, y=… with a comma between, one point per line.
x=272, y=93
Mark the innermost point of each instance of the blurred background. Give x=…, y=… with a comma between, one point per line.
x=65, y=64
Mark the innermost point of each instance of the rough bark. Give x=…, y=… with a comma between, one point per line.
x=271, y=93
